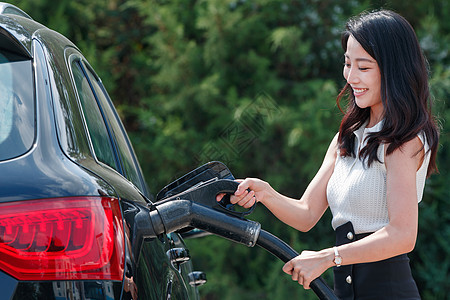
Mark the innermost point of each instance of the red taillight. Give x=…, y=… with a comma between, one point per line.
x=62, y=239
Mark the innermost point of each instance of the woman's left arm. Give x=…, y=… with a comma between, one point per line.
x=396, y=238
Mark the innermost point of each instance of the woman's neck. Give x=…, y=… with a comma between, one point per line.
x=374, y=119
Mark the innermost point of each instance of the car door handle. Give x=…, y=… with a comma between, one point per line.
x=197, y=278
x=178, y=255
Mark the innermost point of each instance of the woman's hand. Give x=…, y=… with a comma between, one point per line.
x=249, y=191
x=309, y=265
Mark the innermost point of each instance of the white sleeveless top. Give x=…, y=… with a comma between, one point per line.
x=357, y=193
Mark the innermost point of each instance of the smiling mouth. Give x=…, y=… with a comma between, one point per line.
x=359, y=91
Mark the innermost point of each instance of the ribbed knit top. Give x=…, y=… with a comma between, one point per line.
x=357, y=193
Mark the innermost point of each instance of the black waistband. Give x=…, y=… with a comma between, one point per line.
x=346, y=234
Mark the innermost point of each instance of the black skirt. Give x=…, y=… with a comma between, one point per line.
x=386, y=279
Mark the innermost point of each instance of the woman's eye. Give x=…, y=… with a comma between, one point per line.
x=363, y=69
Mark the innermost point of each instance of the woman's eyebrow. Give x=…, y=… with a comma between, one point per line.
x=361, y=59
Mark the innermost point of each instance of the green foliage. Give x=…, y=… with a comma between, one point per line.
x=251, y=83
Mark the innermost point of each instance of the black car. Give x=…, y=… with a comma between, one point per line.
x=71, y=188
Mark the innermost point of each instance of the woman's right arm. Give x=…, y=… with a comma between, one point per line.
x=301, y=214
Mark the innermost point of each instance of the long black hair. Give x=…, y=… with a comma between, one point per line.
x=391, y=41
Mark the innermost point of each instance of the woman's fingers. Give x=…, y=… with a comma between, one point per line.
x=243, y=186
x=247, y=200
x=219, y=197
x=244, y=195
x=297, y=273
x=288, y=267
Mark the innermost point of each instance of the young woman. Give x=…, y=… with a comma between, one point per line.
x=374, y=171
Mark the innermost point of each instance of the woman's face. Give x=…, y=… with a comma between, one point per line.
x=363, y=75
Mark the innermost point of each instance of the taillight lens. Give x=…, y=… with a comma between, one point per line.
x=62, y=239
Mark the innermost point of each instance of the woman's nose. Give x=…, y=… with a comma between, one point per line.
x=352, y=76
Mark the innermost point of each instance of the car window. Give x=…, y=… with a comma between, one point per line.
x=98, y=132
x=130, y=166
x=17, y=109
